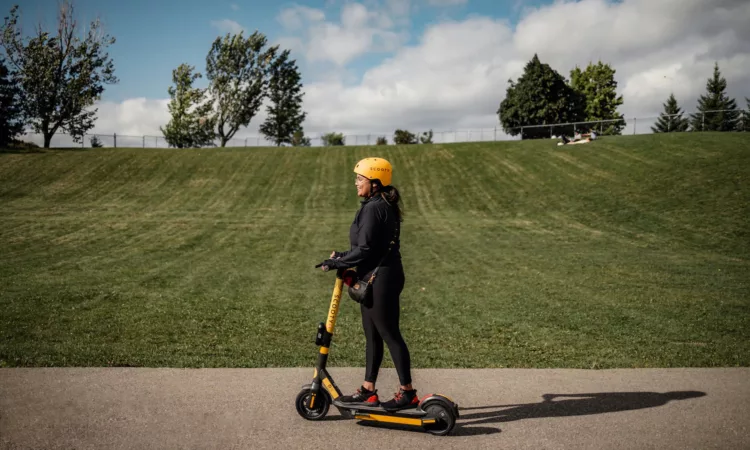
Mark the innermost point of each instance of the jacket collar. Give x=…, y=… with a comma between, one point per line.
x=372, y=198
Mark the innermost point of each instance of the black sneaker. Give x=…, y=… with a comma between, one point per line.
x=361, y=397
x=402, y=400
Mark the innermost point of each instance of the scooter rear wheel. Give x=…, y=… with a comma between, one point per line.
x=319, y=409
x=445, y=420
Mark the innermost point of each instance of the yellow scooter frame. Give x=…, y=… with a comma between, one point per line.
x=435, y=413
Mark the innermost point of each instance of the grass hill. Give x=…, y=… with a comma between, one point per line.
x=631, y=251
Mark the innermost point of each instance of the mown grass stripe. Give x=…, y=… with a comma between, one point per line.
x=632, y=251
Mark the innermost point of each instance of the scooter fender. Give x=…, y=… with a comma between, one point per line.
x=429, y=399
x=322, y=390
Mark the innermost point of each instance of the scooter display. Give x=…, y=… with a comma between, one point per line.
x=435, y=413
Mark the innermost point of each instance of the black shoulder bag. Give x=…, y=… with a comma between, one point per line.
x=361, y=291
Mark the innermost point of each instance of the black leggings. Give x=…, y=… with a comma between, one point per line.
x=381, y=323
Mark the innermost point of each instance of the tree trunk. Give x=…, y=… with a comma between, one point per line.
x=224, y=141
x=47, y=139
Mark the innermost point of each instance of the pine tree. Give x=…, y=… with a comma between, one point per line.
x=285, y=115
x=716, y=111
x=671, y=119
x=11, y=112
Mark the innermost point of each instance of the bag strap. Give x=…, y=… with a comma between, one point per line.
x=390, y=246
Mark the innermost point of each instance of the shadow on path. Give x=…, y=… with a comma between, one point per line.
x=567, y=405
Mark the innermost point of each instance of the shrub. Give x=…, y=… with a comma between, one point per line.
x=300, y=140
x=402, y=137
x=426, y=137
x=332, y=138
x=95, y=142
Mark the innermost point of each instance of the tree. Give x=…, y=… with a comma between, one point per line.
x=61, y=75
x=426, y=138
x=95, y=142
x=190, y=125
x=744, y=123
x=404, y=137
x=541, y=96
x=236, y=69
x=598, y=86
x=299, y=139
x=382, y=140
x=332, y=138
x=285, y=114
x=11, y=111
x=671, y=119
x=715, y=99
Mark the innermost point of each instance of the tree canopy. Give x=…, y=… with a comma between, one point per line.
x=237, y=69
x=541, y=96
x=671, y=120
x=716, y=111
x=597, y=85
x=61, y=74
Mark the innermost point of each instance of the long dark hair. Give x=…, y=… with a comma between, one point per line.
x=391, y=195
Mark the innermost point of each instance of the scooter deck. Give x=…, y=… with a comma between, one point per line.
x=409, y=412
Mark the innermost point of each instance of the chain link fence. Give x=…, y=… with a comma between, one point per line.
x=718, y=120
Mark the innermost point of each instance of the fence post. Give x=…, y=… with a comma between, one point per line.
x=115, y=135
x=495, y=137
x=635, y=121
x=144, y=141
x=245, y=142
x=703, y=121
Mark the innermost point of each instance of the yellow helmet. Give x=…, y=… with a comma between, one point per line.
x=375, y=168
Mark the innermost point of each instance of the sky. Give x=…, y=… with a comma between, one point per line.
x=372, y=66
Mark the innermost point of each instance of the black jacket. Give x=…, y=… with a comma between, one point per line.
x=372, y=230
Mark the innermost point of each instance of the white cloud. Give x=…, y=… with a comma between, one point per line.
x=359, y=30
x=456, y=75
x=446, y=2
x=234, y=6
x=295, y=17
x=227, y=26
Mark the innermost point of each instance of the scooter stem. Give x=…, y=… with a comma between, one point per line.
x=333, y=310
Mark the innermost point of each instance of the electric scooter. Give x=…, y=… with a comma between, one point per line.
x=435, y=413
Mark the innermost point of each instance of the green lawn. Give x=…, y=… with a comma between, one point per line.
x=632, y=251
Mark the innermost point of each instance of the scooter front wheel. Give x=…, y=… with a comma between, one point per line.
x=444, y=419
x=320, y=406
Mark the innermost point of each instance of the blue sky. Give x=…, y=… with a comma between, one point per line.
x=154, y=37
x=371, y=66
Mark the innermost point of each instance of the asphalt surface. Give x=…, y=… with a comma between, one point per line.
x=140, y=408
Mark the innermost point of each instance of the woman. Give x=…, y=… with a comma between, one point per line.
x=375, y=226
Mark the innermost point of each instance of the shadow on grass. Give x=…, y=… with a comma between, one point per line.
x=568, y=405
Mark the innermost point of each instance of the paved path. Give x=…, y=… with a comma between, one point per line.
x=135, y=408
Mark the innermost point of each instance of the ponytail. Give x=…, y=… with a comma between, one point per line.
x=391, y=195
